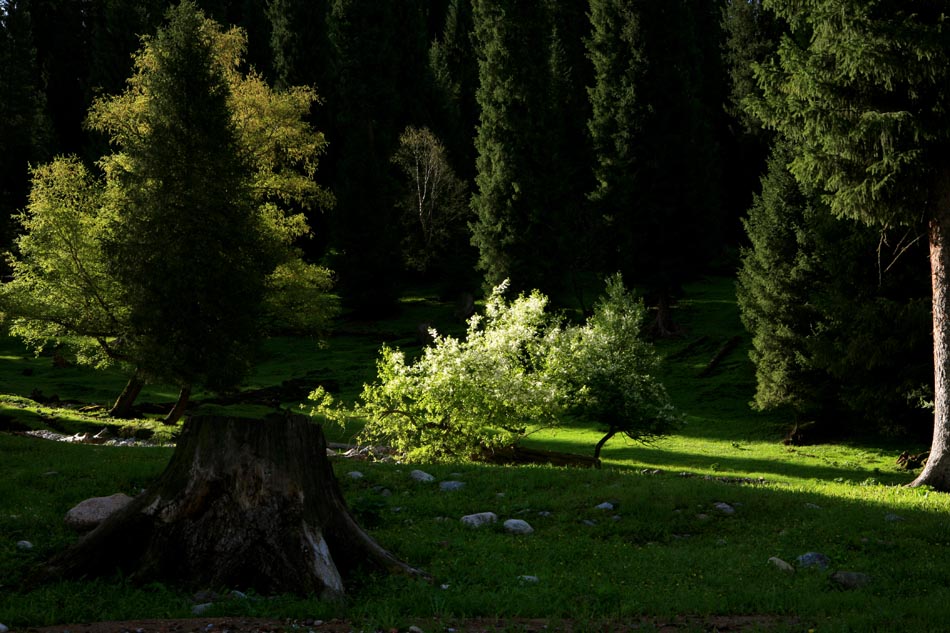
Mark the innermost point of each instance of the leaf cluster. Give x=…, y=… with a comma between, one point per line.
x=519, y=369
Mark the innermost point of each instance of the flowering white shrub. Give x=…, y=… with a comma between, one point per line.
x=517, y=368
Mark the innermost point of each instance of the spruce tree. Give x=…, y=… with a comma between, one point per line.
x=859, y=90
x=656, y=155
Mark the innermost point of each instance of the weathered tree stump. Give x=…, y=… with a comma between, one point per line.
x=249, y=504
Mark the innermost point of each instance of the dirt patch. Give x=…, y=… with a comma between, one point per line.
x=721, y=624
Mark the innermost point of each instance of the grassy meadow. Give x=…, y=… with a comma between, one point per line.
x=664, y=550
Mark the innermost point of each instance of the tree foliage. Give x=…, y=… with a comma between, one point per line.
x=517, y=370
x=182, y=253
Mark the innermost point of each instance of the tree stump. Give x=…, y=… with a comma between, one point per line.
x=249, y=504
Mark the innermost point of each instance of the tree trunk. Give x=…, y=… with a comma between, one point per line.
x=937, y=471
x=244, y=504
x=664, y=326
x=600, y=445
x=180, y=405
x=123, y=404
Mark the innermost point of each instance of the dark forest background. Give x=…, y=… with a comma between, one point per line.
x=577, y=138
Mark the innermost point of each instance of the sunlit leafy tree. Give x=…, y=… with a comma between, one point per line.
x=190, y=229
x=519, y=369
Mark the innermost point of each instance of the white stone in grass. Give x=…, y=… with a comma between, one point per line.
x=528, y=579
x=606, y=505
x=893, y=518
x=354, y=474
x=725, y=508
x=449, y=486
x=479, y=519
x=90, y=513
x=781, y=564
x=517, y=526
x=415, y=629
x=24, y=545
x=3, y=628
x=200, y=609
x=850, y=579
x=421, y=476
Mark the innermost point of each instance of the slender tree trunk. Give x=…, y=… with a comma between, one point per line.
x=937, y=471
x=123, y=404
x=664, y=315
x=243, y=504
x=179, y=409
x=600, y=445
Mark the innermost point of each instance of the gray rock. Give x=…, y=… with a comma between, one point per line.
x=814, y=559
x=3, y=628
x=479, y=519
x=449, y=486
x=893, y=518
x=90, y=513
x=725, y=508
x=415, y=629
x=813, y=506
x=589, y=522
x=544, y=513
x=850, y=579
x=781, y=564
x=606, y=505
x=517, y=526
x=354, y=474
x=421, y=476
x=528, y=579
x=238, y=595
x=24, y=545
x=201, y=609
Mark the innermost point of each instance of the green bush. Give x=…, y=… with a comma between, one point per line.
x=518, y=369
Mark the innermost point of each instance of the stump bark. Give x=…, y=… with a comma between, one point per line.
x=249, y=504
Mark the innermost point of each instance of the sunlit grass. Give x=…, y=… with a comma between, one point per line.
x=668, y=552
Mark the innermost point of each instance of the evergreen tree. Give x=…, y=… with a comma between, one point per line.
x=523, y=200
x=859, y=90
x=654, y=143
x=838, y=337
x=24, y=126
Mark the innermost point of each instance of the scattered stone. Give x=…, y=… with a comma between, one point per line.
x=850, y=579
x=421, y=476
x=606, y=505
x=354, y=474
x=702, y=516
x=449, y=486
x=528, y=579
x=500, y=495
x=415, y=629
x=813, y=506
x=201, y=609
x=24, y=545
x=479, y=519
x=589, y=522
x=3, y=628
x=725, y=508
x=722, y=542
x=517, y=526
x=814, y=559
x=544, y=513
x=781, y=564
x=50, y=473
x=90, y=513
x=239, y=595
x=893, y=518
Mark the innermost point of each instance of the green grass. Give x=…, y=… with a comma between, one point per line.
x=670, y=552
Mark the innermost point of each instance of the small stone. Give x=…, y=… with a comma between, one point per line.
x=415, y=629
x=239, y=595
x=528, y=579
x=589, y=522
x=88, y=514
x=813, y=506
x=479, y=519
x=850, y=579
x=421, y=476
x=544, y=513
x=814, y=559
x=781, y=564
x=500, y=495
x=606, y=505
x=24, y=546
x=200, y=609
x=517, y=526
x=725, y=508
x=3, y=628
x=449, y=486
x=702, y=517
x=616, y=517
x=354, y=474
x=893, y=518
